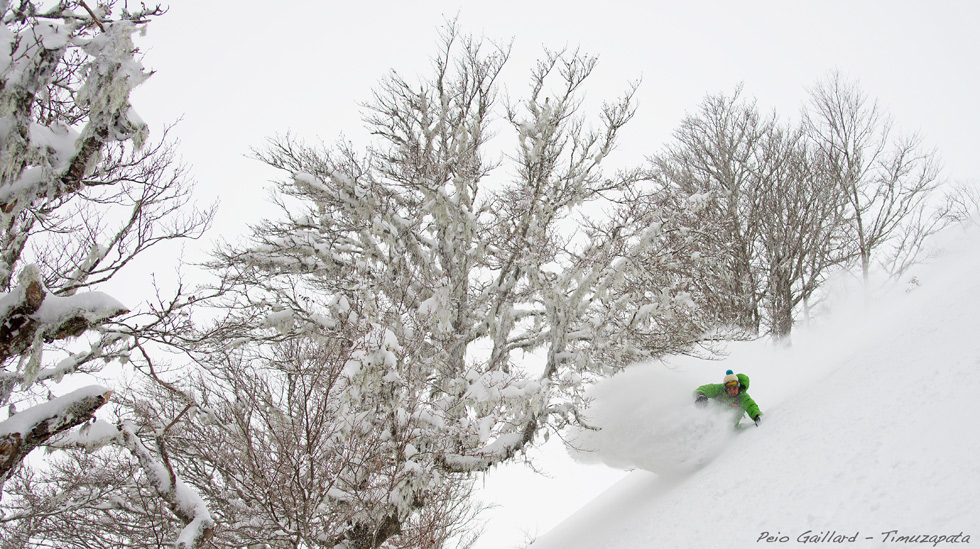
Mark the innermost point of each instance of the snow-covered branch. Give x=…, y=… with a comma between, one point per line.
x=23, y=432
x=183, y=500
x=30, y=315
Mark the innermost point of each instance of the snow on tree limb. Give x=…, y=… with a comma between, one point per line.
x=33, y=165
x=500, y=450
x=183, y=500
x=29, y=313
x=25, y=431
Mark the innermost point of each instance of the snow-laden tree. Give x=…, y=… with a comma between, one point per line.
x=445, y=308
x=82, y=193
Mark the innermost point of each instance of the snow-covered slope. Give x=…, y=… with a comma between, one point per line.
x=871, y=432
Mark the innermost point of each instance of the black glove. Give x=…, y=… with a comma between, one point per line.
x=701, y=401
x=757, y=419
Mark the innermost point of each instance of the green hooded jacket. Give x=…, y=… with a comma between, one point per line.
x=742, y=400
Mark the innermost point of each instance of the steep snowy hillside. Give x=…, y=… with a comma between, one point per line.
x=869, y=436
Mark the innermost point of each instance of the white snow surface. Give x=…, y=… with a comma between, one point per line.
x=868, y=434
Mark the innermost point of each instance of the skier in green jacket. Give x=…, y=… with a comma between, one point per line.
x=733, y=391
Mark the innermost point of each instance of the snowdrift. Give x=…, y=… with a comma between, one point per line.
x=869, y=436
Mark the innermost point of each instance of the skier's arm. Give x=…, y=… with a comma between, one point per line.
x=751, y=408
x=710, y=390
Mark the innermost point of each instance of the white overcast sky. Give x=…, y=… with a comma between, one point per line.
x=237, y=73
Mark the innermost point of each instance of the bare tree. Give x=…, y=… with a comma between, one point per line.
x=963, y=202
x=888, y=181
x=713, y=162
x=802, y=231
x=753, y=208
